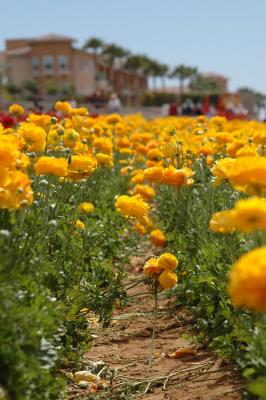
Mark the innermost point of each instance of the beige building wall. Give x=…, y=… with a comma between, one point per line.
x=3, y=68
x=84, y=73
x=19, y=68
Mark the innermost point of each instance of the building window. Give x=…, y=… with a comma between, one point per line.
x=35, y=62
x=48, y=63
x=63, y=63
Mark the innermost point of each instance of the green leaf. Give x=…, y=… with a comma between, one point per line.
x=258, y=387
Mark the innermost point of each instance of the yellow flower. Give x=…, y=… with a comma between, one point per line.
x=63, y=106
x=70, y=138
x=34, y=136
x=151, y=268
x=249, y=175
x=16, y=109
x=250, y=214
x=113, y=119
x=168, y=261
x=221, y=169
x=170, y=129
x=8, y=153
x=42, y=120
x=133, y=206
x=81, y=164
x=104, y=159
x=138, y=177
x=146, y=191
x=247, y=280
x=79, y=111
x=167, y=279
x=139, y=228
x=103, y=144
x=51, y=165
x=125, y=170
x=232, y=148
x=154, y=154
x=79, y=225
x=247, y=151
x=86, y=208
x=158, y=238
x=223, y=222
x=174, y=177
x=15, y=189
x=154, y=174
x=170, y=148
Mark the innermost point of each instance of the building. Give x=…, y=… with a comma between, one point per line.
x=57, y=66
x=220, y=80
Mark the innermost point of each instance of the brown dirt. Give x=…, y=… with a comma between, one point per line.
x=126, y=345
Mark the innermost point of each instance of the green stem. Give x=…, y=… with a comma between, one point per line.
x=154, y=325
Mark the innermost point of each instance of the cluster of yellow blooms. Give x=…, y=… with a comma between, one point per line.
x=39, y=142
x=162, y=270
x=245, y=171
x=15, y=185
x=151, y=153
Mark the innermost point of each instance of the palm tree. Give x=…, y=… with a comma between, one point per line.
x=94, y=43
x=163, y=72
x=182, y=72
x=113, y=52
x=134, y=62
x=151, y=68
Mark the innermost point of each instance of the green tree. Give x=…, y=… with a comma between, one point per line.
x=111, y=53
x=203, y=85
x=182, y=73
x=114, y=52
x=31, y=86
x=94, y=44
x=163, y=73
x=51, y=88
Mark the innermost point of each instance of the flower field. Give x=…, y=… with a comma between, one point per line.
x=80, y=196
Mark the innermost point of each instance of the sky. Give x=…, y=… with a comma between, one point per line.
x=226, y=36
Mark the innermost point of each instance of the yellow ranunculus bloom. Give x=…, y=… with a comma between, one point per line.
x=133, y=206
x=154, y=174
x=247, y=280
x=63, y=106
x=223, y=222
x=151, y=268
x=158, y=238
x=167, y=279
x=145, y=191
x=104, y=160
x=113, y=119
x=249, y=175
x=79, y=225
x=221, y=169
x=168, y=261
x=86, y=208
x=16, y=109
x=250, y=214
x=51, y=165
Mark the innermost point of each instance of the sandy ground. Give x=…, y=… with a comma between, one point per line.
x=125, y=345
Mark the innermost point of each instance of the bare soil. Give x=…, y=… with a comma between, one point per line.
x=125, y=345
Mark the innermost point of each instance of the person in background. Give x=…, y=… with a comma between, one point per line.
x=173, y=109
x=165, y=110
x=114, y=104
x=198, y=108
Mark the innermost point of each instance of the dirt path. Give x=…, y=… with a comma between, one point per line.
x=125, y=347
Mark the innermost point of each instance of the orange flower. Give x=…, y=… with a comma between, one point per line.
x=158, y=238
